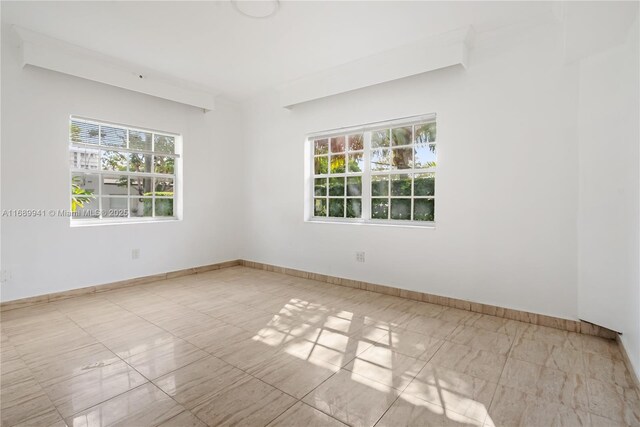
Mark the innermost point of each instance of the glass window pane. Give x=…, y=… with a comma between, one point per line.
x=84, y=158
x=163, y=164
x=140, y=162
x=320, y=207
x=338, y=144
x=423, y=210
x=84, y=192
x=320, y=187
x=401, y=136
x=164, y=207
x=379, y=185
x=402, y=158
x=425, y=133
x=114, y=207
x=356, y=162
x=140, y=140
x=321, y=165
x=380, y=208
x=336, y=186
x=336, y=208
x=425, y=156
x=88, y=183
x=84, y=133
x=164, y=144
x=380, y=160
x=354, y=208
x=114, y=185
x=424, y=184
x=337, y=164
x=164, y=187
x=401, y=185
x=139, y=186
x=114, y=161
x=140, y=206
x=354, y=186
x=321, y=146
x=400, y=208
x=380, y=138
x=89, y=208
x=356, y=142
x=113, y=137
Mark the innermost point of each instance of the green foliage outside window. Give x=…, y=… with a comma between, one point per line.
x=79, y=195
x=164, y=207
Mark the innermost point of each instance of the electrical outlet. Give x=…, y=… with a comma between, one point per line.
x=360, y=256
x=135, y=253
x=5, y=276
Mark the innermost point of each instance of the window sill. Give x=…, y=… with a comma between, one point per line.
x=380, y=223
x=101, y=222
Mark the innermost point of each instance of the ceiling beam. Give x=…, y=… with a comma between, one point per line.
x=45, y=52
x=426, y=55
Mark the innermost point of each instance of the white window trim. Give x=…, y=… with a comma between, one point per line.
x=366, y=175
x=176, y=176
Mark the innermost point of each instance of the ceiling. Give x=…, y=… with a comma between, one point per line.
x=212, y=45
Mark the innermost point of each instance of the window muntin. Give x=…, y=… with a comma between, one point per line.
x=380, y=173
x=119, y=173
x=337, y=182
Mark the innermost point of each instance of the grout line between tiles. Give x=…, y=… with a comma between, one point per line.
x=177, y=415
x=434, y=354
x=328, y=415
x=180, y=338
x=412, y=380
x=159, y=292
x=506, y=360
x=393, y=388
x=115, y=354
x=209, y=354
x=149, y=381
x=586, y=379
x=36, y=380
x=282, y=412
x=588, y=392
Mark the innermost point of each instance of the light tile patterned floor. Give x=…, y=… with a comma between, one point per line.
x=246, y=347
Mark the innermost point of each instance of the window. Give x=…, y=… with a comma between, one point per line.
x=384, y=172
x=120, y=173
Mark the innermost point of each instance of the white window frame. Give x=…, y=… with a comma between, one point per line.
x=366, y=174
x=99, y=147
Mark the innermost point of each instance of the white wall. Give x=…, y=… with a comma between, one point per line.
x=46, y=255
x=609, y=214
x=506, y=185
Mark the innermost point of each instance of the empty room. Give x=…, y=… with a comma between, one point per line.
x=320, y=213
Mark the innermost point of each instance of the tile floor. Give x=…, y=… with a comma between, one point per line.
x=246, y=347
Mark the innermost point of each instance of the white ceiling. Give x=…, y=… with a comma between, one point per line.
x=211, y=44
